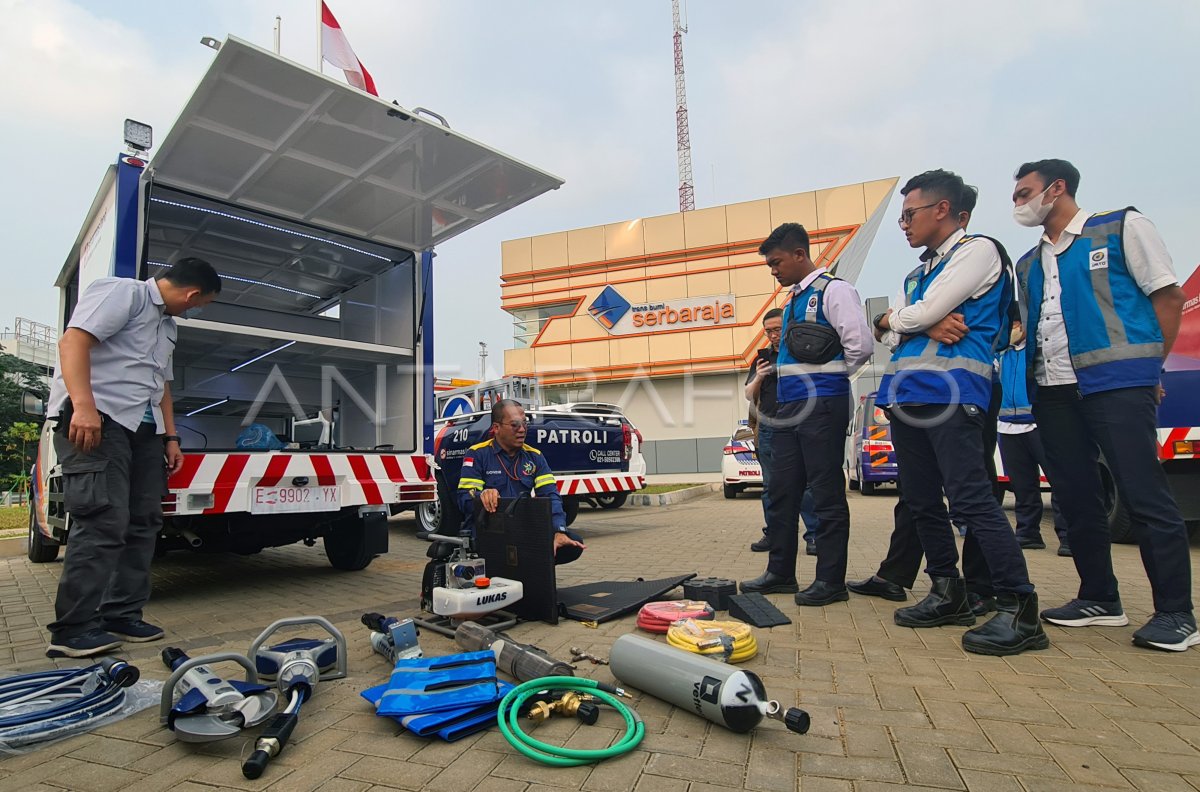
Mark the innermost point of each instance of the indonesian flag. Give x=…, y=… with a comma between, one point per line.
x=336, y=49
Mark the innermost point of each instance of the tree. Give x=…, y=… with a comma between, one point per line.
x=18, y=434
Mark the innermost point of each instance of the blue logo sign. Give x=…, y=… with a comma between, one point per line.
x=608, y=307
x=459, y=405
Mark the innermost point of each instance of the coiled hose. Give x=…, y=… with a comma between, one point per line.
x=509, y=718
x=657, y=617
x=732, y=642
x=62, y=702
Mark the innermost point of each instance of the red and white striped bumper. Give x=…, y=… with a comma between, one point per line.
x=599, y=485
x=1181, y=442
x=222, y=483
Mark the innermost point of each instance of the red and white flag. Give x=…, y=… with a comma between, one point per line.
x=337, y=51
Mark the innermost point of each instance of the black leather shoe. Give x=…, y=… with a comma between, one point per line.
x=762, y=545
x=980, y=605
x=946, y=603
x=1031, y=543
x=822, y=593
x=768, y=583
x=1014, y=629
x=1064, y=550
x=810, y=548
x=876, y=587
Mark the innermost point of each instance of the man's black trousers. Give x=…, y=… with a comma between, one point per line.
x=939, y=448
x=807, y=453
x=1121, y=424
x=1023, y=455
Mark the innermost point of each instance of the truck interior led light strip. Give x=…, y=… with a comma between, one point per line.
x=260, y=357
x=165, y=265
x=206, y=407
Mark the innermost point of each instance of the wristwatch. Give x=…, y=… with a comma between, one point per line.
x=172, y=438
x=878, y=318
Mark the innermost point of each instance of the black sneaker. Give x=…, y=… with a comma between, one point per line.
x=92, y=642
x=810, y=548
x=1031, y=543
x=1172, y=632
x=761, y=546
x=1087, y=613
x=136, y=631
x=1064, y=550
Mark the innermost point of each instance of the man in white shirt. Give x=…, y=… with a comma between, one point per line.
x=1104, y=307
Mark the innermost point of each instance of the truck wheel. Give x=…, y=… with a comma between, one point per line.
x=571, y=508
x=730, y=490
x=347, y=548
x=40, y=550
x=1121, y=529
x=429, y=515
x=614, y=501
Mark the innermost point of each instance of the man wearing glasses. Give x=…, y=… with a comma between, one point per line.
x=938, y=395
x=504, y=467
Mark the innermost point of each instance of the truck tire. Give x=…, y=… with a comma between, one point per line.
x=429, y=515
x=348, y=546
x=730, y=490
x=571, y=508
x=866, y=487
x=40, y=550
x=1121, y=529
x=614, y=501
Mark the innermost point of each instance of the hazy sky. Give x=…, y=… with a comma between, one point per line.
x=784, y=97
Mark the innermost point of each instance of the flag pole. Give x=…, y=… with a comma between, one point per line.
x=320, y=46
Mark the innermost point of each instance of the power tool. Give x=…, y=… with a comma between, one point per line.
x=395, y=639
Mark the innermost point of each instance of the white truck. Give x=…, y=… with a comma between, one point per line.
x=320, y=206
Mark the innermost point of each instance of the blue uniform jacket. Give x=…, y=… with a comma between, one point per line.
x=487, y=466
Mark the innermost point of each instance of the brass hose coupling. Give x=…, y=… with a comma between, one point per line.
x=569, y=705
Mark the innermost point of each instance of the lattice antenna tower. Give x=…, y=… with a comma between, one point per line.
x=683, y=138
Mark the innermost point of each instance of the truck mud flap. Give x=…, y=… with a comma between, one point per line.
x=375, y=532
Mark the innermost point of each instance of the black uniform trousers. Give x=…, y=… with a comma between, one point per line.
x=940, y=449
x=114, y=496
x=1122, y=425
x=808, y=446
x=1023, y=455
x=903, y=560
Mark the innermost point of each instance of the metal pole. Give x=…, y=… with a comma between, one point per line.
x=320, y=43
x=278, y=22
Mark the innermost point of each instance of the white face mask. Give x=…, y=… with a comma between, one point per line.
x=192, y=313
x=1033, y=212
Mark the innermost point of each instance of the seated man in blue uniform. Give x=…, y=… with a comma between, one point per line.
x=504, y=467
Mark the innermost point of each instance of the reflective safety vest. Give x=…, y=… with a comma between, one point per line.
x=924, y=371
x=799, y=381
x=1015, y=406
x=1112, y=331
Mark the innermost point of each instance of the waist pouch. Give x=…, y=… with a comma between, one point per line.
x=433, y=684
x=809, y=342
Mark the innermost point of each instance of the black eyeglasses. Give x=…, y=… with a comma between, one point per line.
x=772, y=330
x=906, y=217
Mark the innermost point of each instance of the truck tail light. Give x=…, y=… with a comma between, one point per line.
x=1183, y=447
x=727, y=450
x=627, y=438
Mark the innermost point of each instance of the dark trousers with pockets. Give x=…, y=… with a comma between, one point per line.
x=807, y=452
x=765, y=462
x=903, y=560
x=940, y=449
x=1023, y=456
x=1122, y=425
x=114, y=497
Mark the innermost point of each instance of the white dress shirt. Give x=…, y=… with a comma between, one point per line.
x=1148, y=262
x=844, y=311
x=974, y=269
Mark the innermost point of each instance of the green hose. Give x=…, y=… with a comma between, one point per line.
x=509, y=718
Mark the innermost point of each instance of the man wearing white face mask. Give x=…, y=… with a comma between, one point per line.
x=1104, y=307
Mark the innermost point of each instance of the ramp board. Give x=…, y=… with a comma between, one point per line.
x=517, y=542
x=600, y=602
x=757, y=610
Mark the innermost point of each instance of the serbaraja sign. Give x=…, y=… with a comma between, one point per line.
x=620, y=317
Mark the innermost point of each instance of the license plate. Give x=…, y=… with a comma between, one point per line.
x=277, y=500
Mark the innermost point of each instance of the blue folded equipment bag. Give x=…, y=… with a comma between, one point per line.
x=448, y=697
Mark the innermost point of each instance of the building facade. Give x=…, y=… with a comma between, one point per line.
x=663, y=315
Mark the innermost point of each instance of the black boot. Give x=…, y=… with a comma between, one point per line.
x=1014, y=629
x=946, y=603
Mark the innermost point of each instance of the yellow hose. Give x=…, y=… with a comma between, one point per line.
x=731, y=642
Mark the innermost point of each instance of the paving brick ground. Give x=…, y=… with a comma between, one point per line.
x=891, y=707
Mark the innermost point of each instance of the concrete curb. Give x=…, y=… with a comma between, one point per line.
x=12, y=547
x=671, y=498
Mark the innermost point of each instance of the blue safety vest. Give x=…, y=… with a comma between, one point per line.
x=924, y=371
x=1112, y=331
x=1015, y=405
x=799, y=381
